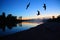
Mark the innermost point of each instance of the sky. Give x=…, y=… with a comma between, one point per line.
x=18, y=8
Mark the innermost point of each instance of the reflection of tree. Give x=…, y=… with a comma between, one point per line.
x=9, y=26
x=20, y=24
x=2, y=27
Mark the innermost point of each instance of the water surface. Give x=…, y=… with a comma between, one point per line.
x=17, y=28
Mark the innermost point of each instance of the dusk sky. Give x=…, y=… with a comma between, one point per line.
x=18, y=8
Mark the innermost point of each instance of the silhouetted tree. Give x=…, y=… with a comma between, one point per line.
x=58, y=18
x=9, y=21
x=54, y=19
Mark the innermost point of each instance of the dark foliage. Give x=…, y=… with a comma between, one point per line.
x=54, y=19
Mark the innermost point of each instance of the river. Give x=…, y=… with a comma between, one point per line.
x=17, y=28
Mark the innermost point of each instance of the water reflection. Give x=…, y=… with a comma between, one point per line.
x=19, y=24
x=8, y=29
x=9, y=26
x=31, y=23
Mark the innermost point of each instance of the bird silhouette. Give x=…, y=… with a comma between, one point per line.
x=38, y=12
x=28, y=5
x=44, y=6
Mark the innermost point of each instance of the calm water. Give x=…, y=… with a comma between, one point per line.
x=17, y=28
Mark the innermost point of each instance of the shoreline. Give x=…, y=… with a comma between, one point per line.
x=49, y=30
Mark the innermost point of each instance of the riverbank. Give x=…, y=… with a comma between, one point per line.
x=45, y=31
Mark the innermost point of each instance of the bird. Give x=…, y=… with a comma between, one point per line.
x=44, y=6
x=38, y=12
x=27, y=5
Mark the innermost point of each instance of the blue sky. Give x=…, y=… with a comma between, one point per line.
x=18, y=7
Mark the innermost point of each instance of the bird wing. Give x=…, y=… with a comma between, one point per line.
x=28, y=5
x=38, y=12
x=44, y=6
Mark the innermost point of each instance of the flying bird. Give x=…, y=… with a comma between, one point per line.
x=38, y=12
x=28, y=5
x=44, y=6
